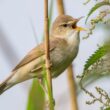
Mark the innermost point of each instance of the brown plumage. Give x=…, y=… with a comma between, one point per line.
x=64, y=45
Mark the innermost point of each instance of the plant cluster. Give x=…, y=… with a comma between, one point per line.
x=98, y=64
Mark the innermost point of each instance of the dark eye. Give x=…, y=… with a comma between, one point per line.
x=65, y=25
x=74, y=26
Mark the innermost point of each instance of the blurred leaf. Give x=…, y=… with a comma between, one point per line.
x=36, y=97
x=99, y=70
x=90, y=78
x=107, y=108
x=96, y=56
x=93, y=9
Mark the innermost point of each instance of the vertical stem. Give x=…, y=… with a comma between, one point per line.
x=60, y=6
x=70, y=76
x=46, y=34
x=72, y=87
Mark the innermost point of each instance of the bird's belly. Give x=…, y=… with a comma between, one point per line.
x=58, y=68
x=61, y=60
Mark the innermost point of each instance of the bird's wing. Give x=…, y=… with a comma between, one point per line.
x=36, y=53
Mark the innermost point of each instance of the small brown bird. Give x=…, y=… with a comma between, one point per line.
x=64, y=44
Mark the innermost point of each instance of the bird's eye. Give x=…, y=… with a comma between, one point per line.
x=65, y=25
x=74, y=26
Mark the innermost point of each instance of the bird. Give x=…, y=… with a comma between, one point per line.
x=64, y=46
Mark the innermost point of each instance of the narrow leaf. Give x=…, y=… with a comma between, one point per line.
x=96, y=56
x=93, y=9
x=107, y=108
x=101, y=69
x=36, y=97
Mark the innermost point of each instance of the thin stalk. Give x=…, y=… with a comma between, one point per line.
x=60, y=6
x=72, y=87
x=71, y=80
x=47, y=56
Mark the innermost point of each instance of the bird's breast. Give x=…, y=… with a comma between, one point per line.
x=61, y=58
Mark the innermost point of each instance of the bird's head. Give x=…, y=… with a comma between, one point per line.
x=64, y=26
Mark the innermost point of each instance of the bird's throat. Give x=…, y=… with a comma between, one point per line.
x=73, y=38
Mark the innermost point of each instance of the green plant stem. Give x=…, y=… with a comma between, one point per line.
x=48, y=73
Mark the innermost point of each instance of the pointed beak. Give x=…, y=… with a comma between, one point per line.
x=80, y=28
x=78, y=19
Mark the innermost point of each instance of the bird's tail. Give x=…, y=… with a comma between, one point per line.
x=5, y=85
x=2, y=87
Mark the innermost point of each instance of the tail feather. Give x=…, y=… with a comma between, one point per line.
x=6, y=84
x=3, y=87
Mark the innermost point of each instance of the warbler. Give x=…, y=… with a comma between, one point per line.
x=64, y=45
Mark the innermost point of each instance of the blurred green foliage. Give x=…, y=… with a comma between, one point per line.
x=36, y=97
x=93, y=9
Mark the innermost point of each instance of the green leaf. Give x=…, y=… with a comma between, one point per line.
x=107, y=108
x=36, y=97
x=94, y=74
x=96, y=56
x=93, y=9
x=89, y=79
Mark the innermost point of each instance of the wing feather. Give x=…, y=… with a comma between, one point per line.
x=38, y=51
x=32, y=55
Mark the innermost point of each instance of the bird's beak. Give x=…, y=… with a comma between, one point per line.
x=74, y=22
x=80, y=28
